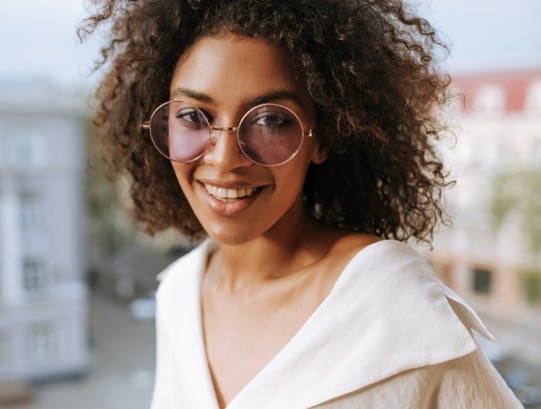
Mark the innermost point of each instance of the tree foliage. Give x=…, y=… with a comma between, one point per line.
x=518, y=195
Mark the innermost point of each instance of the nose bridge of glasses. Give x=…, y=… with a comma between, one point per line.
x=224, y=128
x=225, y=151
x=213, y=139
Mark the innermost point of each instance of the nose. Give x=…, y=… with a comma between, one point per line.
x=224, y=151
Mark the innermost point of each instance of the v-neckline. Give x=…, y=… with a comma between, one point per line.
x=346, y=344
x=211, y=247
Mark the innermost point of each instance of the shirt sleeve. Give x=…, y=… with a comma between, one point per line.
x=472, y=382
x=468, y=382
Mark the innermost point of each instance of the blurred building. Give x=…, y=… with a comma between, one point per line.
x=43, y=302
x=492, y=253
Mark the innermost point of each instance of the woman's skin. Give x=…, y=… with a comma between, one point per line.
x=275, y=265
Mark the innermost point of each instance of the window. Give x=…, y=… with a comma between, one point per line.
x=533, y=98
x=482, y=281
x=25, y=148
x=490, y=99
x=31, y=215
x=34, y=274
x=42, y=343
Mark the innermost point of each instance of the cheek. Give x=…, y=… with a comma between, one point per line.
x=291, y=178
x=183, y=174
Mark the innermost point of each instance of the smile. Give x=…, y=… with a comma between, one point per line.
x=225, y=194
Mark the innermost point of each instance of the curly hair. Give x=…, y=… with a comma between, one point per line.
x=368, y=66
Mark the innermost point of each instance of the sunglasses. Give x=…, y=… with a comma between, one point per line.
x=268, y=134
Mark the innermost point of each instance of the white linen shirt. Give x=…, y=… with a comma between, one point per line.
x=389, y=335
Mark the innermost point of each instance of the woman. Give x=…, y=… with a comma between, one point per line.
x=299, y=137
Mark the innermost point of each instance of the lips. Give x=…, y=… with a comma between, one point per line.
x=229, y=194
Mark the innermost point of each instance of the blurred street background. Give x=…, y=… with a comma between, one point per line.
x=77, y=278
x=120, y=373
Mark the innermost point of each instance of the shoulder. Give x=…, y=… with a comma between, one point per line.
x=350, y=245
x=344, y=246
x=383, y=255
x=419, y=320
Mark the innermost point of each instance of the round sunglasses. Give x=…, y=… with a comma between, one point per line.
x=267, y=134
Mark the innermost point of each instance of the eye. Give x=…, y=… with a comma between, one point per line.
x=191, y=118
x=272, y=119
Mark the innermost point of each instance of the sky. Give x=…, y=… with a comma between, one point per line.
x=38, y=38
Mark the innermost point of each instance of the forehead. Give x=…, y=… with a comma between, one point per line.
x=232, y=65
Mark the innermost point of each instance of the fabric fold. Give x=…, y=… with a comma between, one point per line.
x=388, y=313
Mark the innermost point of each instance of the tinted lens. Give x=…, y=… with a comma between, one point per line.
x=270, y=134
x=179, y=131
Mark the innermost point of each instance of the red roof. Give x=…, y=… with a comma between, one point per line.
x=515, y=85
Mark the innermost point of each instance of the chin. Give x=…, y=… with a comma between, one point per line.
x=229, y=236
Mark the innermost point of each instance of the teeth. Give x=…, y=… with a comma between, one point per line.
x=221, y=193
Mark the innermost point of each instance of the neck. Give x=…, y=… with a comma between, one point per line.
x=287, y=248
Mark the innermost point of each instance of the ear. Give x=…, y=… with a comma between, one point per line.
x=319, y=154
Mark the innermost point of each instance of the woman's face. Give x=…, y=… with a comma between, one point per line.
x=234, y=199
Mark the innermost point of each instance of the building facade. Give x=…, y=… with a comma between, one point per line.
x=43, y=299
x=492, y=253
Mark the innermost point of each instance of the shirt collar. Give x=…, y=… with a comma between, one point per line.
x=387, y=313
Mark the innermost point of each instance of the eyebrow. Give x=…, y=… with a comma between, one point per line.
x=262, y=99
x=185, y=92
